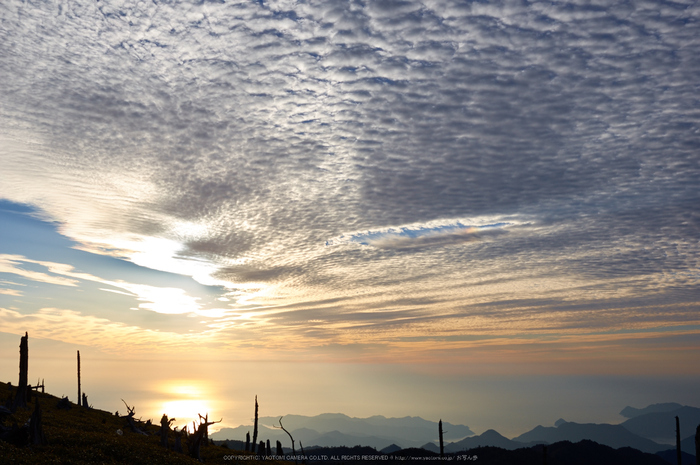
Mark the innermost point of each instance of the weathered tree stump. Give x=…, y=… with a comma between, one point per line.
x=130, y=421
x=21, y=393
x=164, y=428
x=199, y=436
x=63, y=404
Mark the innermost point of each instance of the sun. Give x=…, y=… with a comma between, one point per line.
x=186, y=402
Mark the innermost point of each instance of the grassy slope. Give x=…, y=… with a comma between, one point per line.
x=89, y=436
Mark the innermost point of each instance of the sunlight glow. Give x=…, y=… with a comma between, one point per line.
x=189, y=399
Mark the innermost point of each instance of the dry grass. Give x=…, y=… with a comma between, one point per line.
x=89, y=436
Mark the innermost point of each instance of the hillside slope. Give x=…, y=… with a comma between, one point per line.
x=82, y=436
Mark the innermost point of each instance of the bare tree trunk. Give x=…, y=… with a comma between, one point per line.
x=21, y=395
x=294, y=452
x=164, y=428
x=280, y=451
x=442, y=446
x=247, y=441
x=255, y=425
x=80, y=397
x=268, y=449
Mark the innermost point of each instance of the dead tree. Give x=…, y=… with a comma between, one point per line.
x=442, y=446
x=21, y=394
x=164, y=428
x=85, y=401
x=268, y=449
x=247, y=441
x=205, y=424
x=261, y=448
x=130, y=421
x=280, y=451
x=294, y=452
x=39, y=385
x=79, y=395
x=255, y=425
x=199, y=435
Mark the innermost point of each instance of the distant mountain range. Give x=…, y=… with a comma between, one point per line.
x=650, y=429
x=660, y=426
x=336, y=429
x=631, y=412
x=615, y=436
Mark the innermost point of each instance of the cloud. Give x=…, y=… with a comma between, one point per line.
x=231, y=141
x=8, y=264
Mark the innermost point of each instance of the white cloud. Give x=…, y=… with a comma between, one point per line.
x=230, y=141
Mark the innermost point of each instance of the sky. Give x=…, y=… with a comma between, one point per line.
x=485, y=212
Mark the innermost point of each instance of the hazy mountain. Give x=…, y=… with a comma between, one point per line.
x=631, y=412
x=336, y=429
x=670, y=456
x=688, y=444
x=661, y=426
x=487, y=438
x=431, y=446
x=615, y=436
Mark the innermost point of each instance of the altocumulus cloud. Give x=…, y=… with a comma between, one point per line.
x=248, y=134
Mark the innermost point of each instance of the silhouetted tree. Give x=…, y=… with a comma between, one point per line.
x=268, y=449
x=164, y=428
x=442, y=446
x=130, y=421
x=21, y=394
x=697, y=445
x=79, y=394
x=255, y=425
x=294, y=452
x=200, y=435
x=247, y=441
x=280, y=451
